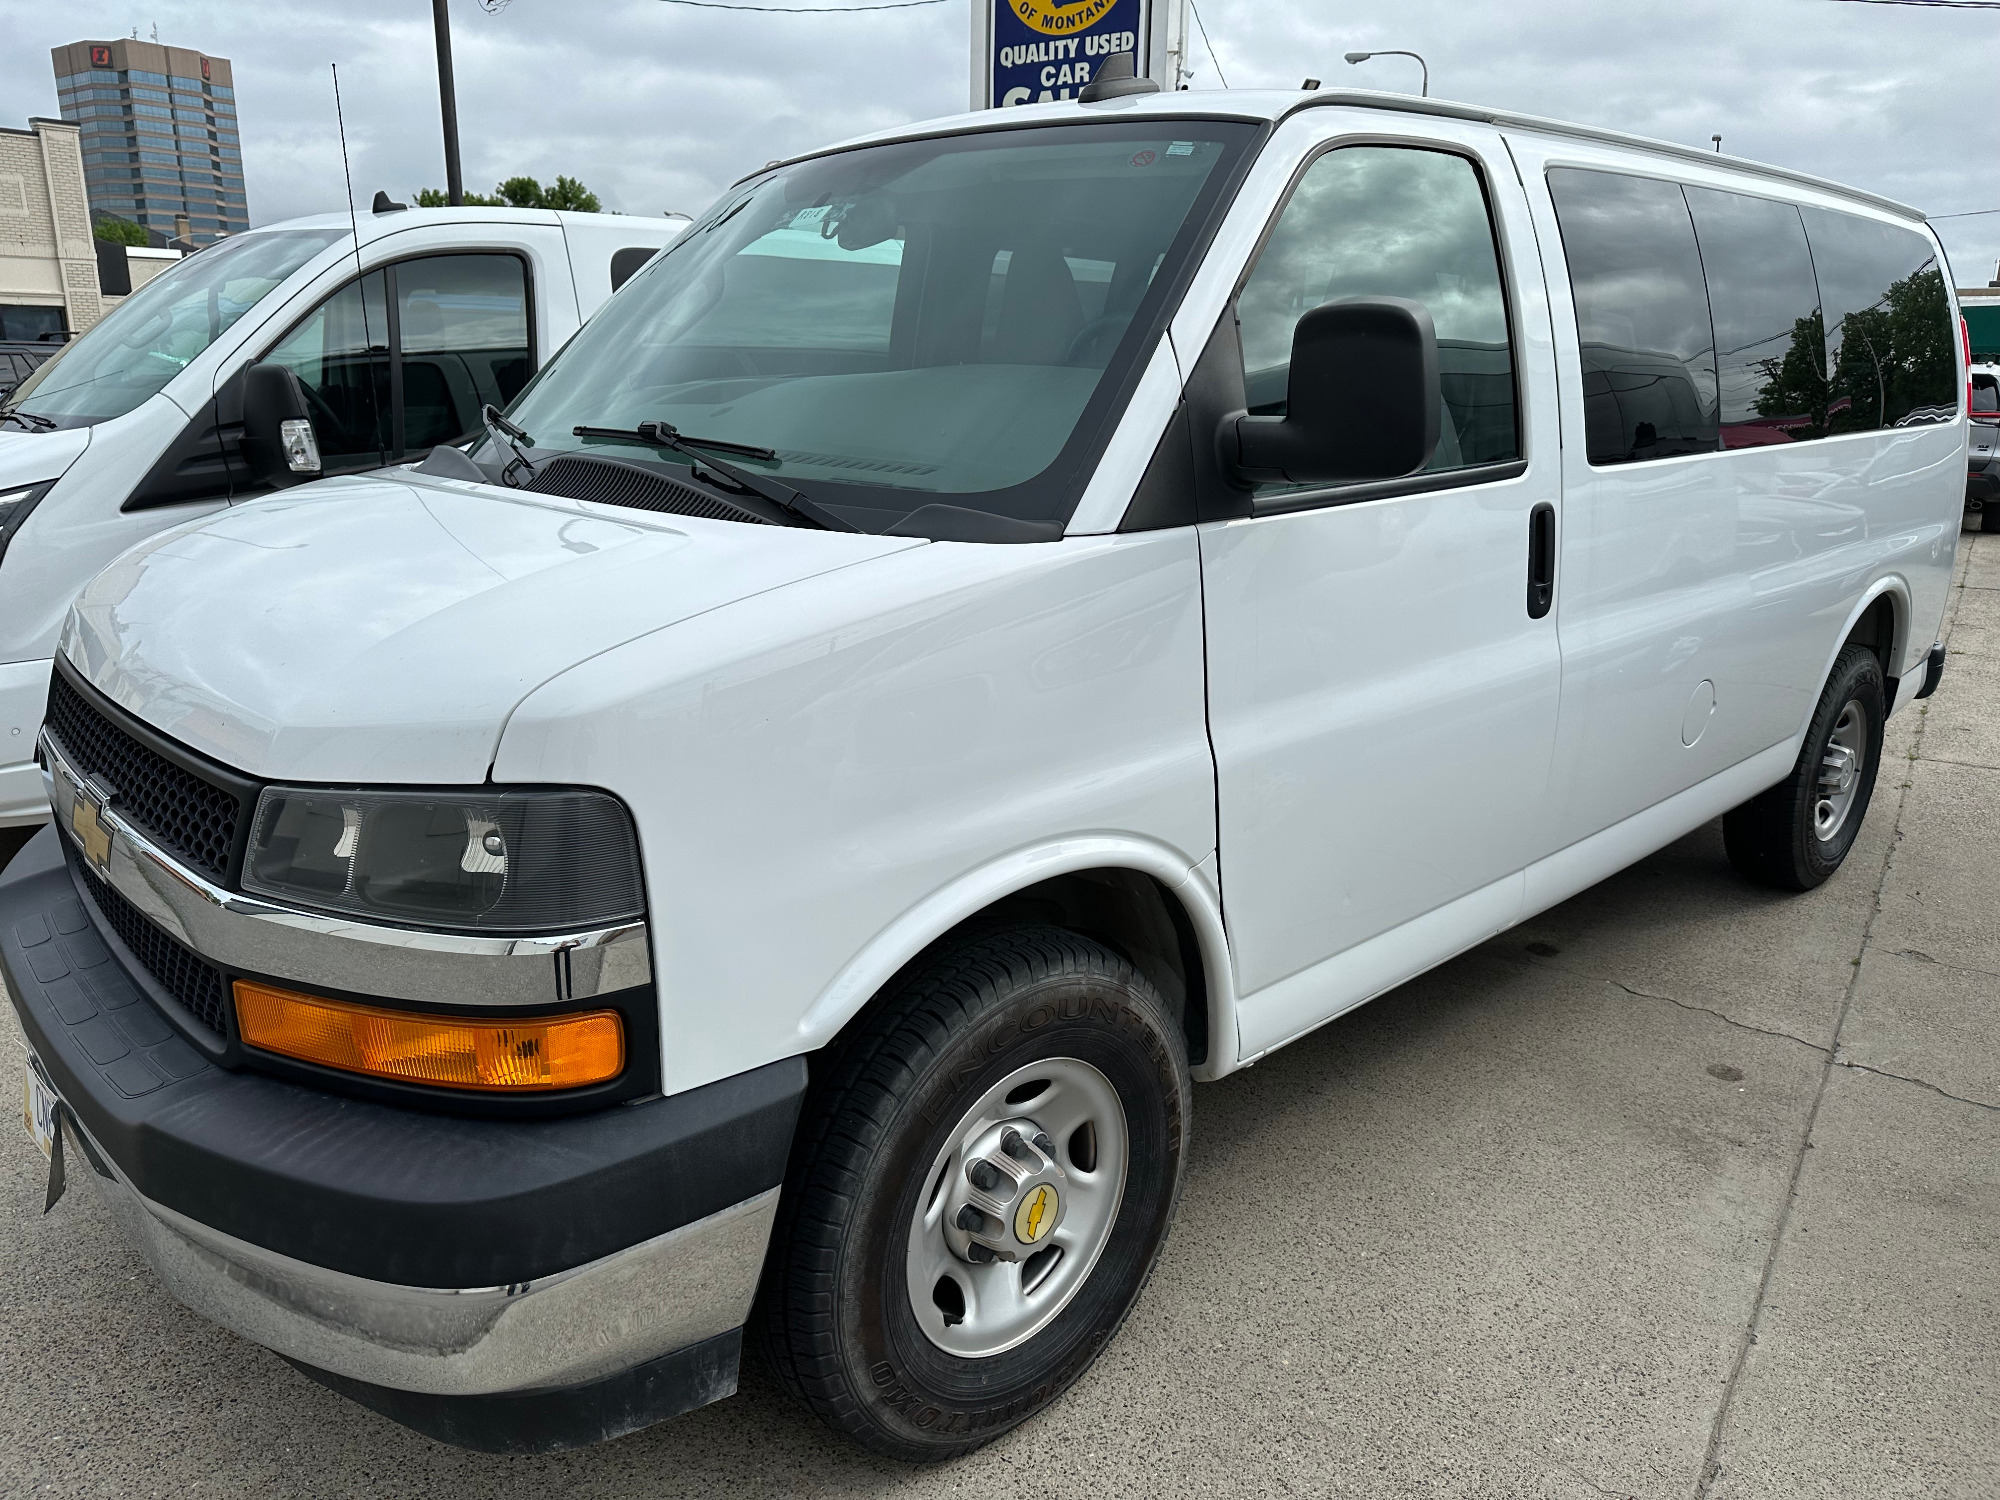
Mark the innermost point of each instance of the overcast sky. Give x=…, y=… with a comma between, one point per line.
x=657, y=106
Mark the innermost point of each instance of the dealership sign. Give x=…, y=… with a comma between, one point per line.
x=1041, y=50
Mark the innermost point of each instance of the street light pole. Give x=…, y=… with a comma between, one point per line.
x=1362, y=57
x=454, y=180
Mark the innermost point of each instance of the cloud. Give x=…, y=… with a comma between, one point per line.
x=659, y=106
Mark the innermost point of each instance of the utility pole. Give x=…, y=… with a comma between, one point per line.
x=454, y=180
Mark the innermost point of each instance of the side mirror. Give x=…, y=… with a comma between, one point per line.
x=278, y=439
x=1362, y=400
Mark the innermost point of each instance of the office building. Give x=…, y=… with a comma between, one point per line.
x=48, y=268
x=159, y=134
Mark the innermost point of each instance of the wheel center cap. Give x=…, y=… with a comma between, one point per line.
x=1005, y=1196
x=1037, y=1214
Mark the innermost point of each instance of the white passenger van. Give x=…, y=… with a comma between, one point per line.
x=137, y=425
x=1006, y=618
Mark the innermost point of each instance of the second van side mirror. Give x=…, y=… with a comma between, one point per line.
x=1362, y=400
x=278, y=438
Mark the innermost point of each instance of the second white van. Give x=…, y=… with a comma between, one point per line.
x=397, y=338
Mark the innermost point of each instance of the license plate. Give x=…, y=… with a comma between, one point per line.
x=38, y=1109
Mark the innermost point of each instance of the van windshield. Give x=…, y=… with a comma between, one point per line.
x=149, y=338
x=947, y=321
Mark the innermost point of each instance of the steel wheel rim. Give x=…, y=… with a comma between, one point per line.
x=1002, y=1304
x=1838, y=787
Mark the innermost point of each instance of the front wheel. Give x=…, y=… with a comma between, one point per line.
x=1798, y=833
x=984, y=1180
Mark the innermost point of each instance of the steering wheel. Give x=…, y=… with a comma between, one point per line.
x=1105, y=331
x=322, y=412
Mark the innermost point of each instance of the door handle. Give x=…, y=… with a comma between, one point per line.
x=1541, y=560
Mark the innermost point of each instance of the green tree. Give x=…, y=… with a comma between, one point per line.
x=525, y=192
x=1793, y=385
x=119, y=231
x=437, y=198
x=567, y=193
x=1896, y=356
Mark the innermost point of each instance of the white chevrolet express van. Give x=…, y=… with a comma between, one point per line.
x=1005, y=618
x=137, y=425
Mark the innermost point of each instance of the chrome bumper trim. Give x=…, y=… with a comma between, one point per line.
x=394, y=963
x=579, y=1325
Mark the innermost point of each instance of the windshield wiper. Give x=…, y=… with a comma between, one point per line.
x=513, y=437
x=27, y=419
x=666, y=435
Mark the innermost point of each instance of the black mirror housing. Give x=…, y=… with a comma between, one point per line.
x=279, y=443
x=1362, y=401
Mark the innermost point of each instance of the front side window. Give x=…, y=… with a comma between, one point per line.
x=154, y=334
x=462, y=327
x=341, y=355
x=1642, y=320
x=943, y=321
x=404, y=358
x=1891, y=345
x=1392, y=221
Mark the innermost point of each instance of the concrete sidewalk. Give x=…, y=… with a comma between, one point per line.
x=1685, y=1189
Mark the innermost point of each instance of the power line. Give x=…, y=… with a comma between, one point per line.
x=1211, y=46
x=1970, y=213
x=1931, y=4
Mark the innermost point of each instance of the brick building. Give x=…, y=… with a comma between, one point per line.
x=48, y=261
x=159, y=134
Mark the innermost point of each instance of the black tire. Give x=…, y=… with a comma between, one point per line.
x=834, y=1315
x=1989, y=515
x=1772, y=838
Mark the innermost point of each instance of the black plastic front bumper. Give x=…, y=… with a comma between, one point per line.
x=391, y=1195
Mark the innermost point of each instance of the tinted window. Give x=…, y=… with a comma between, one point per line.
x=341, y=355
x=1892, y=352
x=1985, y=394
x=1389, y=221
x=1764, y=305
x=462, y=321
x=1641, y=316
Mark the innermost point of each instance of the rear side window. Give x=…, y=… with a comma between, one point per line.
x=1392, y=221
x=1985, y=394
x=1891, y=346
x=1769, y=341
x=1642, y=316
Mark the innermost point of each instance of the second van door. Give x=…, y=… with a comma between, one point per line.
x=1383, y=690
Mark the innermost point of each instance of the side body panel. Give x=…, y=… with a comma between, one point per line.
x=1736, y=572
x=592, y=239
x=806, y=774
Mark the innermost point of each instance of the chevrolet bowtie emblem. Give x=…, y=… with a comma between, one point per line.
x=87, y=824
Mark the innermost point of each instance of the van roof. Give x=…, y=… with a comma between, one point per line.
x=374, y=226
x=1273, y=105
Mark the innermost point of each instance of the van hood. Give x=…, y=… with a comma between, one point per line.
x=32, y=457
x=381, y=629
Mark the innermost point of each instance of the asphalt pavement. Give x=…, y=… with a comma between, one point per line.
x=1682, y=1189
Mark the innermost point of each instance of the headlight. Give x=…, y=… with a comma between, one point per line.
x=524, y=861
x=14, y=507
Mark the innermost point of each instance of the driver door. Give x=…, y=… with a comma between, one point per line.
x=1382, y=692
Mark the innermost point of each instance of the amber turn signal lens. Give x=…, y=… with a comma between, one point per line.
x=531, y=1054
